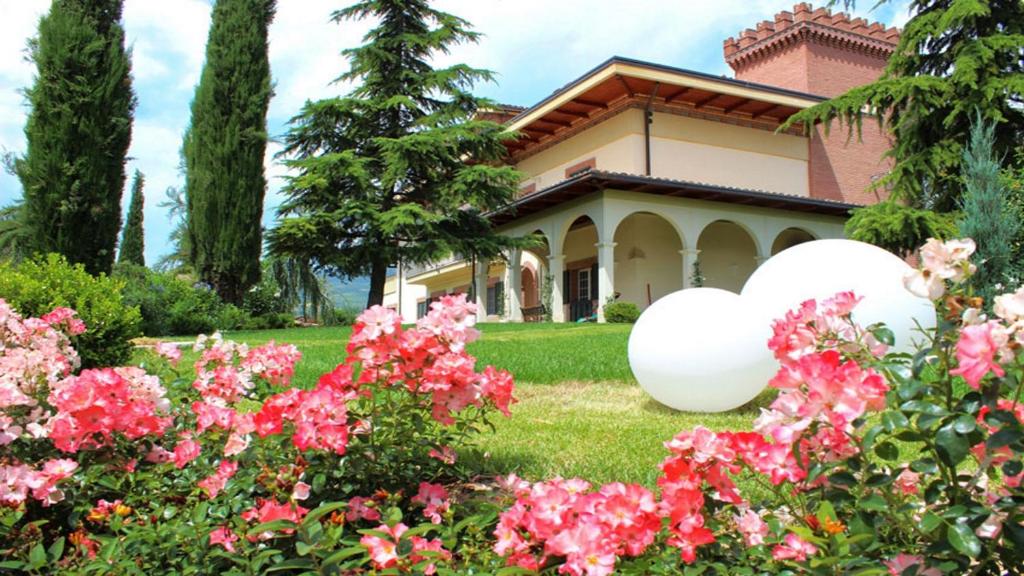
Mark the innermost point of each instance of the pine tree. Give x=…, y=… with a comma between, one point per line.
x=225, y=146
x=987, y=217
x=132, y=241
x=78, y=132
x=382, y=175
x=953, y=57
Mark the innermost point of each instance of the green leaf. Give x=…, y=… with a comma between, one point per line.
x=887, y=451
x=953, y=448
x=883, y=335
x=37, y=556
x=963, y=539
x=964, y=424
x=874, y=502
x=272, y=526
x=321, y=511
x=292, y=564
x=930, y=521
x=302, y=548
x=893, y=421
x=1003, y=437
x=56, y=550
x=343, y=554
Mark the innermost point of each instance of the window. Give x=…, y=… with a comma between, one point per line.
x=584, y=284
x=496, y=299
x=421, y=308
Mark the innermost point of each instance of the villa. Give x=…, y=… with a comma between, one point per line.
x=637, y=175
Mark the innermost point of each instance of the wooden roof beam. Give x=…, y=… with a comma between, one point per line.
x=571, y=113
x=539, y=130
x=629, y=89
x=705, y=101
x=669, y=98
x=591, y=103
x=739, y=104
x=760, y=113
x=555, y=122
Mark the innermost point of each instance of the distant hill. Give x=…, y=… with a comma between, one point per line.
x=349, y=294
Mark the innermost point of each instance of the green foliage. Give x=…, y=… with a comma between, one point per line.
x=78, y=132
x=169, y=305
x=697, y=275
x=381, y=175
x=547, y=296
x=35, y=287
x=898, y=228
x=133, y=241
x=179, y=260
x=621, y=312
x=13, y=232
x=1013, y=182
x=987, y=218
x=173, y=305
x=297, y=285
x=953, y=57
x=224, y=149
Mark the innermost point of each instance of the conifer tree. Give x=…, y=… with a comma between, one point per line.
x=401, y=169
x=987, y=216
x=225, y=146
x=132, y=241
x=953, y=57
x=78, y=132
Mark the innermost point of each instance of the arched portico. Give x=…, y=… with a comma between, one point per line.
x=647, y=259
x=728, y=255
x=791, y=237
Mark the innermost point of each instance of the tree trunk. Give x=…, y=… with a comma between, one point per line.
x=378, y=275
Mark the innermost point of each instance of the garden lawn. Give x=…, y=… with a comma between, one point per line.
x=580, y=411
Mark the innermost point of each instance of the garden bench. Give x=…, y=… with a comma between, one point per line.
x=534, y=313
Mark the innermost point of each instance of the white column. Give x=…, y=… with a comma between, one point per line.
x=605, y=275
x=481, y=289
x=689, y=257
x=514, y=286
x=556, y=264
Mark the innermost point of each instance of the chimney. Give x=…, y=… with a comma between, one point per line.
x=812, y=50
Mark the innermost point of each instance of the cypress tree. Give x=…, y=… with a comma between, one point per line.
x=402, y=169
x=225, y=146
x=132, y=242
x=78, y=132
x=987, y=216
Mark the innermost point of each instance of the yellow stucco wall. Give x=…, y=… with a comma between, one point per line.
x=682, y=148
x=617, y=144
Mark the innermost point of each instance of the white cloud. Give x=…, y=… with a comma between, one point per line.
x=535, y=47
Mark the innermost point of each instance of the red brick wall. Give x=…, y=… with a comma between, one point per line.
x=825, y=64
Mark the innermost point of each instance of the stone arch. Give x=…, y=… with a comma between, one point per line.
x=662, y=215
x=648, y=263
x=728, y=254
x=791, y=237
x=570, y=222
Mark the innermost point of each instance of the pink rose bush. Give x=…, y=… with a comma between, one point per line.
x=865, y=461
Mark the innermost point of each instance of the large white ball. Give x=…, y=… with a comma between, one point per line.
x=700, y=350
x=822, y=268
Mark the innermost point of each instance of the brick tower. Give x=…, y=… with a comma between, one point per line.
x=818, y=52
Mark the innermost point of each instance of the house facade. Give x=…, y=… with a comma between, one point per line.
x=642, y=179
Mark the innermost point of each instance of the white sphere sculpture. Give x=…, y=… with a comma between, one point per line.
x=821, y=268
x=700, y=350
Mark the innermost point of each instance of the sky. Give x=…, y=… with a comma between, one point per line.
x=533, y=46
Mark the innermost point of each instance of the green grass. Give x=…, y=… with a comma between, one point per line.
x=580, y=412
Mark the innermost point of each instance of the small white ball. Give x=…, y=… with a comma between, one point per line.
x=700, y=350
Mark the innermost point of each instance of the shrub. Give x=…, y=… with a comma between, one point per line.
x=897, y=228
x=37, y=286
x=621, y=312
x=172, y=306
